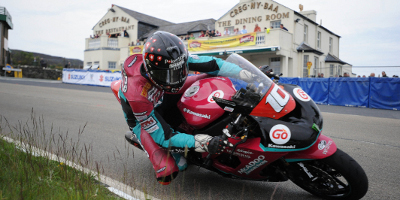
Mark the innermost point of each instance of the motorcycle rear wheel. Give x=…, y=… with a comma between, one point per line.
x=336, y=177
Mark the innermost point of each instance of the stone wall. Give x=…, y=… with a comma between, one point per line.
x=37, y=72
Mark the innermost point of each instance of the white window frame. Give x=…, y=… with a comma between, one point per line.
x=316, y=63
x=305, y=33
x=330, y=44
x=276, y=24
x=319, y=40
x=112, y=65
x=331, y=69
x=305, y=70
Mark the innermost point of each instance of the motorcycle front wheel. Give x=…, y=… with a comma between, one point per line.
x=336, y=177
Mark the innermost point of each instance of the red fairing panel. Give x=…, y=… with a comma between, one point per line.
x=275, y=104
x=322, y=148
x=115, y=85
x=197, y=105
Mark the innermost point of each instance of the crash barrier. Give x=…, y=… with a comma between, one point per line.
x=90, y=77
x=372, y=92
x=17, y=72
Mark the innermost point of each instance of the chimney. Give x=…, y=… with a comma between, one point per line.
x=310, y=14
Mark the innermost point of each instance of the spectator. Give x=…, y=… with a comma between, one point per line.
x=187, y=37
x=364, y=76
x=235, y=31
x=384, y=74
x=192, y=37
x=244, y=31
x=267, y=30
x=358, y=76
x=282, y=27
x=133, y=43
x=395, y=76
x=322, y=75
x=137, y=42
x=126, y=34
x=217, y=34
x=226, y=32
x=257, y=28
x=372, y=75
x=42, y=63
x=91, y=37
x=212, y=34
x=201, y=34
x=68, y=65
x=346, y=74
x=207, y=34
x=319, y=75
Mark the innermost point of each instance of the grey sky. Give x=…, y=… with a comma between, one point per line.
x=370, y=29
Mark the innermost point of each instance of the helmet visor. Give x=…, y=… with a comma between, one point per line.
x=171, y=77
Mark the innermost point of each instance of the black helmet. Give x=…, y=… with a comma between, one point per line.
x=165, y=61
x=265, y=69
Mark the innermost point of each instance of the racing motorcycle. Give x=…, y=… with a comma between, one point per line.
x=275, y=129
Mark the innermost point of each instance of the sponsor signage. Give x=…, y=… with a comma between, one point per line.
x=89, y=77
x=136, y=50
x=248, y=39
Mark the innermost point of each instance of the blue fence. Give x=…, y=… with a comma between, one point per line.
x=372, y=92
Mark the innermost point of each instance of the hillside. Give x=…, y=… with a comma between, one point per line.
x=27, y=58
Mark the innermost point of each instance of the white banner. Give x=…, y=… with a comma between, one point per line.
x=90, y=77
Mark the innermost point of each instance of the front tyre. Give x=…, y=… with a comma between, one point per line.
x=336, y=177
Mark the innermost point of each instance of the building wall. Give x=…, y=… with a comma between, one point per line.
x=250, y=13
x=115, y=22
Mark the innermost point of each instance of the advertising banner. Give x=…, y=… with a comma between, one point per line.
x=135, y=50
x=90, y=77
x=248, y=39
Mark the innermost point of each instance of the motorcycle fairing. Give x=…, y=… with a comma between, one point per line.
x=275, y=104
x=322, y=148
x=296, y=131
x=115, y=85
x=252, y=159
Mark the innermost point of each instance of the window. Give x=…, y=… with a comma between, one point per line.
x=316, y=62
x=305, y=33
x=276, y=65
x=319, y=40
x=112, y=65
x=339, y=70
x=276, y=24
x=331, y=69
x=305, y=71
x=96, y=65
x=330, y=44
x=89, y=63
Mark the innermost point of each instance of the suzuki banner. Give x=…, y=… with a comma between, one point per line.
x=248, y=39
x=135, y=50
x=90, y=77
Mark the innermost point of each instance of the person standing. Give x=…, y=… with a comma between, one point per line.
x=257, y=28
x=244, y=31
x=283, y=27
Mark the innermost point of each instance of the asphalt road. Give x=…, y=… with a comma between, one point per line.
x=370, y=136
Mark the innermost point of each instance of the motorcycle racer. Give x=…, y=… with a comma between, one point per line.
x=151, y=86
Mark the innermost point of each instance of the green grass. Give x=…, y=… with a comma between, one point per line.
x=24, y=176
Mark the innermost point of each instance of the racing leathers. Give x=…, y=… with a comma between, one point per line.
x=148, y=109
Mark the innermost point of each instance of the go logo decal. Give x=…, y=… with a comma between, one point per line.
x=280, y=134
x=301, y=95
x=217, y=93
x=277, y=98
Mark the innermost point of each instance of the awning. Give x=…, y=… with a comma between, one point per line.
x=237, y=51
x=333, y=59
x=303, y=47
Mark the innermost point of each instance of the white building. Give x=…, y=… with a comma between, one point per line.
x=289, y=52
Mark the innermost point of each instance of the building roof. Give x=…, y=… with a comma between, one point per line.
x=306, y=48
x=186, y=27
x=333, y=59
x=145, y=18
x=6, y=17
x=311, y=21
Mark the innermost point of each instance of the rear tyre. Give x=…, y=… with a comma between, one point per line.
x=336, y=177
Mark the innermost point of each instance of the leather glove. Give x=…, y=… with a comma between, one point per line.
x=246, y=76
x=212, y=145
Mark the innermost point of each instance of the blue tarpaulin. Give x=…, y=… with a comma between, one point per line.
x=317, y=88
x=385, y=93
x=349, y=91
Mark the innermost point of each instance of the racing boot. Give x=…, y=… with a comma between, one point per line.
x=162, y=160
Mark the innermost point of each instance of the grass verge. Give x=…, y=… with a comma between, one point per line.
x=25, y=176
